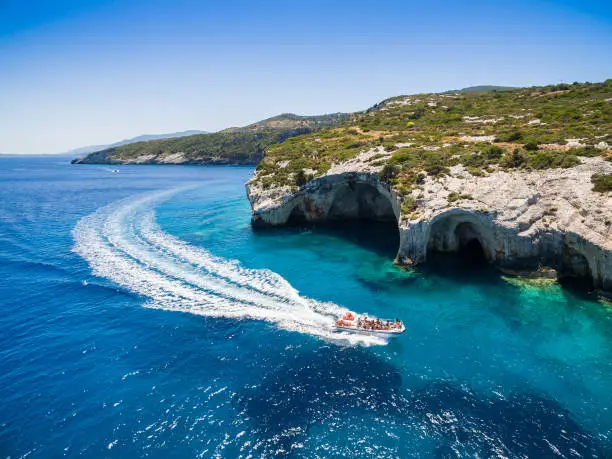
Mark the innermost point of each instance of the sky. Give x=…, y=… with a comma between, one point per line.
x=88, y=72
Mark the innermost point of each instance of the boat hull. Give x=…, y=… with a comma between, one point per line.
x=363, y=331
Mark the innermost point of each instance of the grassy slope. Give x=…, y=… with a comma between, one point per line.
x=233, y=146
x=428, y=133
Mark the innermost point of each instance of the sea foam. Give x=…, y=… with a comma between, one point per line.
x=123, y=243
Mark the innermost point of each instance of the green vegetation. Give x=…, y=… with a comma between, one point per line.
x=551, y=159
x=409, y=205
x=452, y=197
x=589, y=152
x=231, y=146
x=222, y=147
x=602, y=183
x=519, y=129
x=389, y=172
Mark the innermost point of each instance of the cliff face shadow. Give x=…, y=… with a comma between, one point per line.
x=579, y=287
x=379, y=237
x=468, y=264
x=354, y=209
x=333, y=386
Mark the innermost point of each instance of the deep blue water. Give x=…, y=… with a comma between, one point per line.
x=125, y=332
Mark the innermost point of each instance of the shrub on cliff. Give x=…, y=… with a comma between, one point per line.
x=300, y=177
x=494, y=152
x=512, y=136
x=409, y=204
x=551, y=160
x=602, y=183
x=588, y=151
x=454, y=196
x=514, y=160
x=389, y=172
x=436, y=169
x=476, y=172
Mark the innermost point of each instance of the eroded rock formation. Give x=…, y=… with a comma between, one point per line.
x=332, y=197
x=519, y=220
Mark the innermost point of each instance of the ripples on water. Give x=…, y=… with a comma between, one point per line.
x=236, y=358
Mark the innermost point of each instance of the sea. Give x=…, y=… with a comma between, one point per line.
x=142, y=316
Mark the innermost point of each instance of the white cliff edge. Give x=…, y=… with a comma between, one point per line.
x=522, y=220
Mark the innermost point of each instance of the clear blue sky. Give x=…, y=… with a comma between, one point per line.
x=81, y=72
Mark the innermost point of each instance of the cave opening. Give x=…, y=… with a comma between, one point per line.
x=361, y=201
x=469, y=250
x=297, y=218
x=472, y=253
x=457, y=248
x=358, y=212
x=575, y=272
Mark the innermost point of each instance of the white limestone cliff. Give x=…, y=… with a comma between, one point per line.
x=522, y=220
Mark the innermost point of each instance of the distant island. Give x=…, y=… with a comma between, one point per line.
x=140, y=138
x=238, y=145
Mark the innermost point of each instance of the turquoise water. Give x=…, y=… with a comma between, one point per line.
x=127, y=331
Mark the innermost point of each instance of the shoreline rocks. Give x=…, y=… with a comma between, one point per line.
x=522, y=220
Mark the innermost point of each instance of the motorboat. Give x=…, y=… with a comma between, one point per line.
x=368, y=325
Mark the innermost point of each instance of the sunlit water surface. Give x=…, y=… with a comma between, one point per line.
x=142, y=315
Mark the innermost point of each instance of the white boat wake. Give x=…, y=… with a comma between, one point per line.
x=123, y=243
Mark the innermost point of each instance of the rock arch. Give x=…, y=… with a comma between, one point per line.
x=574, y=267
x=336, y=198
x=357, y=200
x=463, y=232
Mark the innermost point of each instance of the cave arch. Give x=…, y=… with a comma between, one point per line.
x=360, y=209
x=297, y=217
x=469, y=244
x=355, y=200
x=464, y=234
x=574, y=270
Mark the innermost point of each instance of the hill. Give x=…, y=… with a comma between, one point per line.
x=537, y=128
x=482, y=88
x=238, y=145
x=141, y=138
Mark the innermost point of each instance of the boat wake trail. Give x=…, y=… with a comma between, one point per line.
x=123, y=243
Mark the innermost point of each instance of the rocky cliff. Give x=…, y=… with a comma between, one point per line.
x=526, y=206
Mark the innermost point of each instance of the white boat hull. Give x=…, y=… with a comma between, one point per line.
x=363, y=331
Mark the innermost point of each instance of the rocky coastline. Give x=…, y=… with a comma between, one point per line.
x=527, y=221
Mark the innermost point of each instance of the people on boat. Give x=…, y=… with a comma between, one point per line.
x=348, y=316
x=370, y=324
x=365, y=323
